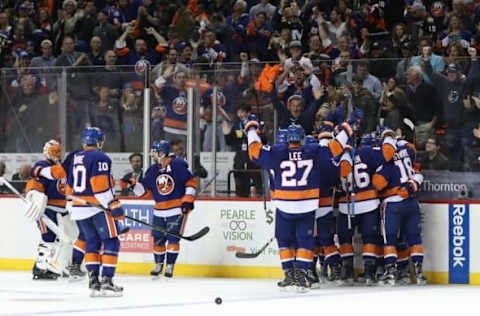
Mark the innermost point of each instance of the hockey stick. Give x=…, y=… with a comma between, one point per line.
x=245, y=255
x=50, y=224
x=208, y=183
x=383, y=206
x=193, y=237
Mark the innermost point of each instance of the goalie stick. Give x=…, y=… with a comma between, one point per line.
x=193, y=237
x=245, y=255
x=50, y=224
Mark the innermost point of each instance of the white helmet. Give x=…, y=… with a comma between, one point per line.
x=52, y=150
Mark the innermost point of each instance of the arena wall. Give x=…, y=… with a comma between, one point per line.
x=449, y=236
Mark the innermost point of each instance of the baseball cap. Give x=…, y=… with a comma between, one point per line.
x=295, y=44
x=452, y=68
x=46, y=42
x=376, y=45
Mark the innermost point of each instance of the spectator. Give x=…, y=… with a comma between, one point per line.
x=238, y=22
x=95, y=55
x=169, y=66
x=392, y=116
x=110, y=75
x=263, y=6
x=131, y=118
x=456, y=54
x=362, y=99
x=106, y=31
x=399, y=37
x=235, y=137
x=432, y=158
x=141, y=51
x=290, y=19
x=211, y=49
x=136, y=162
x=436, y=61
x=455, y=108
x=406, y=53
x=178, y=150
x=455, y=33
x=342, y=71
x=258, y=35
x=19, y=179
x=370, y=82
x=380, y=67
x=174, y=98
x=281, y=41
x=423, y=100
x=68, y=23
x=336, y=25
x=104, y=113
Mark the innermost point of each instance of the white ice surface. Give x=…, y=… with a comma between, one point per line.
x=19, y=295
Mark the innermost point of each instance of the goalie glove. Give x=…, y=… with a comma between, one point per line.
x=36, y=202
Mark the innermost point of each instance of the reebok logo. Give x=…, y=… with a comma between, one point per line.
x=459, y=243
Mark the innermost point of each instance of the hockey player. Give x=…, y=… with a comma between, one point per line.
x=49, y=249
x=90, y=172
x=397, y=183
x=297, y=178
x=364, y=213
x=173, y=187
x=326, y=222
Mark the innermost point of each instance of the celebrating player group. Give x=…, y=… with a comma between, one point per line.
x=373, y=183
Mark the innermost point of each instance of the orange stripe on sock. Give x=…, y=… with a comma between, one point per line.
x=304, y=254
x=173, y=247
x=346, y=248
x=81, y=244
x=92, y=257
x=109, y=259
x=287, y=253
x=159, y=248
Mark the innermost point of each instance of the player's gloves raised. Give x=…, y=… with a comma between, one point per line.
x=345, y=126
x=116, y=210
x=252, y=122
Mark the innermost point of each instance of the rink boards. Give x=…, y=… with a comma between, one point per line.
x=449, y=234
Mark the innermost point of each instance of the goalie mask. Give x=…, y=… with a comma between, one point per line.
x=52, y=150
x=160, y=149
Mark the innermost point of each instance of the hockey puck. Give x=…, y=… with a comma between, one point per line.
x=218, y=300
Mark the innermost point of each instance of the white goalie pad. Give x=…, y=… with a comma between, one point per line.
x=47, y=257
x=36, y=202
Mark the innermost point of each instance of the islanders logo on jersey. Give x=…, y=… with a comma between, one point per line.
x=179, y=105
x=221, y=100
x=165, y=184
x=62, y=186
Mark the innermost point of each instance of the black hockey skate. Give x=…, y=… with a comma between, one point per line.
x=421, y=279
x=93, y=284
x=390, y=275
x=403, y=275
x=301, y=280
x=169, y=271
x=76, y=273
x=369, y=274
x=289, y=279
x=107, y=288
x=347, y=272
x=335, y=273
x=312, y=276
x=157, y=270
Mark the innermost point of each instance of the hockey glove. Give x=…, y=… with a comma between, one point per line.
x=36, y=171
x=345, y=126
x=116, y=210
x=187, y=207
x=127, y=182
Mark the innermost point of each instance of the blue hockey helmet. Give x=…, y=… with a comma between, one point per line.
x=282, y=136
x=93, y=136
x=295, y=133
x=309, y=139
x=369, y=139
x=160, y=146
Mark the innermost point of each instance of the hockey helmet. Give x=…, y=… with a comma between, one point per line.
x=282, y=136
x=93, y=136
x=295, y=133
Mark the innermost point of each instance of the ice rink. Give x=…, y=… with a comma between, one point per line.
x=19, y=295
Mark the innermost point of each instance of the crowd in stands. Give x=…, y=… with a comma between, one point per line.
x=308, y=61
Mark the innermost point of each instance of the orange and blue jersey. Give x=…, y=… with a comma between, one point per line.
x=392, y=178
x=297, y=172
x=53, y=189
x=170, y=186
x=175, y=100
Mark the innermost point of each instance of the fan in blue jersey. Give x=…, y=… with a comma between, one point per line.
x=298, y=171
x=173, y=187
x=89, y=172
x=54, y=191
x=397, y=182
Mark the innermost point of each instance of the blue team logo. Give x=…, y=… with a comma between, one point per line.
x=179, y=105
x=62, y=186
x=165, y=184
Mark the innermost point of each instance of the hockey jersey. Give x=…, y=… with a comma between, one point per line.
x=169, y=185
x=175, y=100
x=53, y=189
x=391, y=179
x=88, y=174
x=366, y=161
x=298, y=172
